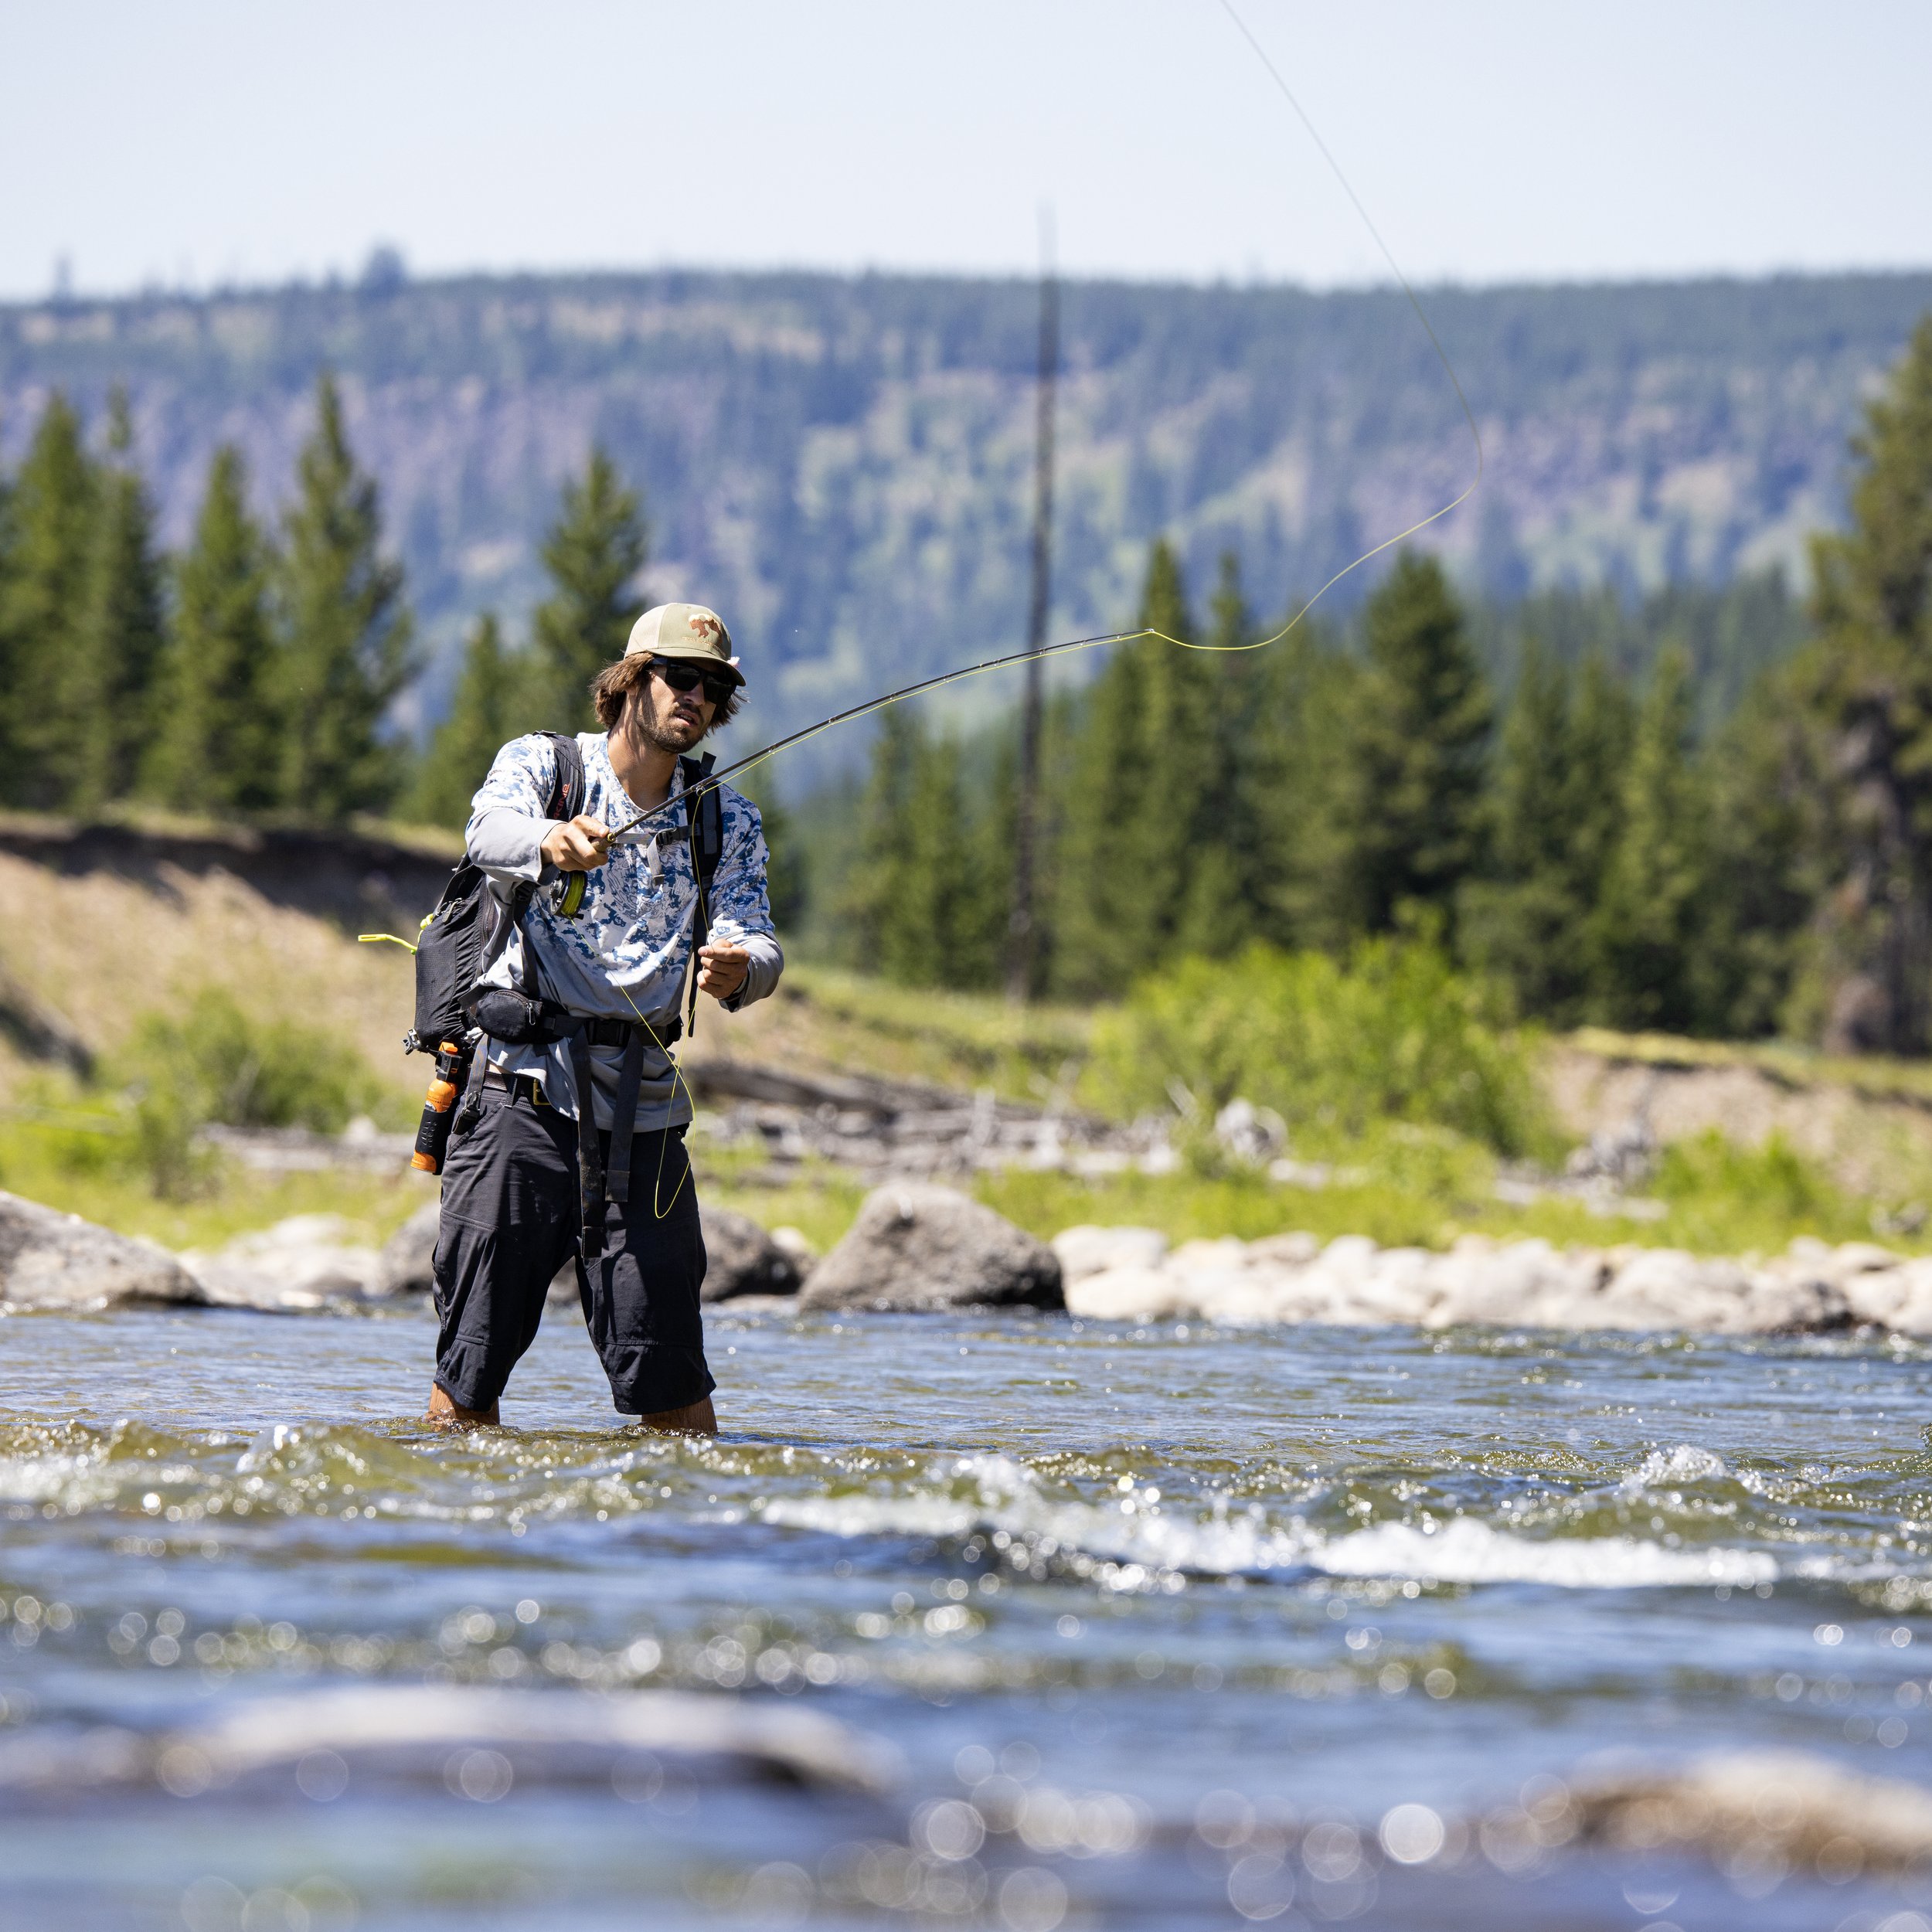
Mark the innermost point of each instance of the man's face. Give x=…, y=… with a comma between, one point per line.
x=671, y=720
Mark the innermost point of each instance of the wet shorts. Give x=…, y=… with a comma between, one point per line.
x=510, y=1222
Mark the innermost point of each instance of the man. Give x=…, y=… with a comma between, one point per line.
x=520, y=1196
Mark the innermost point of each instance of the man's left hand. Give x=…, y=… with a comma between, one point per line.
x=722, y=970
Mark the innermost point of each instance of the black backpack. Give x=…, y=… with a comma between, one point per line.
x=471, y=925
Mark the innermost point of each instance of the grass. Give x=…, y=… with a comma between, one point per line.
x=102, y=949
x=1719, y=1199
x=95, y=1173
x=1732, y=1203
x=1420, y=1192
x=840, y=1021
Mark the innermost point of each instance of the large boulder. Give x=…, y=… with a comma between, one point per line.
x=917, y=1247
x=1085, y=1250
x=49, y=1259
x=743, y=1258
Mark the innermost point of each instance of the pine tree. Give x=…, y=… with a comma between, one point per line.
x=347, y=629
x=924, y=917
x=1421, y=737
x=1647, y=920
x=1867, y=687
x=593, y=555
x=1220, y=903
x=1603, y=722
x=1131, y=810
x=1299, y=781
x=121, y=631
x=482, y=718
x=1528, y=921
x=1763, y=877
x=45, y=697
x=219, y=746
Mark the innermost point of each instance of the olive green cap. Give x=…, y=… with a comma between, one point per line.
x=683, y=630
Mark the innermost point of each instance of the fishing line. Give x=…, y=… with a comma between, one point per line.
x=1068, y=646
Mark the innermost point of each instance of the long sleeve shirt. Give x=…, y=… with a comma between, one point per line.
x=625, y=953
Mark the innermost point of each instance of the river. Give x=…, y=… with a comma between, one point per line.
x=1012, y=1622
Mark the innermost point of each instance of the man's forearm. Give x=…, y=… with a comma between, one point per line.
x=509, y=846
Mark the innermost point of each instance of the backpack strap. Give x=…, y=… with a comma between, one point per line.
x=566, y=788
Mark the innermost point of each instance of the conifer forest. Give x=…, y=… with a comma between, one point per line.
x=1696, y=808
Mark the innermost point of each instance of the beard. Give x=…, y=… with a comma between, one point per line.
x=671, y=733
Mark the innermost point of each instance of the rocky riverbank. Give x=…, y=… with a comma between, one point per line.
x=1129, y=1274
x=917, y=1247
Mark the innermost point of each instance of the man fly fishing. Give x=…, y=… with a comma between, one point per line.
x=607, y=897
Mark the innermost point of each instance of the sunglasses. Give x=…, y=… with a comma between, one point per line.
x=687, y=677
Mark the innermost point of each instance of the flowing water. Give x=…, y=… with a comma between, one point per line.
x=1018, y=1623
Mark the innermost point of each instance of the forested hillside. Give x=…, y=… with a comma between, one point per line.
x=841, y=464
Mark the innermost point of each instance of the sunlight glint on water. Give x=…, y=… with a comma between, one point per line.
x=1078, y=1579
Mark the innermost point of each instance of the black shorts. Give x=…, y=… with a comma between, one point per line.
x=510, y=1222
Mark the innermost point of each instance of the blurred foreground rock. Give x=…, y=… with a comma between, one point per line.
x=49, y=1259
x=1758, y=1816
x=405, y=1732
x=917, y=1247
x=1127, y=1274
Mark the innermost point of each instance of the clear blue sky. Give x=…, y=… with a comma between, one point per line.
x=198, y=142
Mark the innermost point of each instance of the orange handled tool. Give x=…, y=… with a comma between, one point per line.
x=439, y=1108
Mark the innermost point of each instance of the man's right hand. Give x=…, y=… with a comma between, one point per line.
x=581, y=844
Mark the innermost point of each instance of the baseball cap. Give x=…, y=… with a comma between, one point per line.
x=683, y=630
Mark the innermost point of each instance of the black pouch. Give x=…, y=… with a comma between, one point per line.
x=514, y=1017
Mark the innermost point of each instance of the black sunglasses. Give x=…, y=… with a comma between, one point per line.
x=687, y=677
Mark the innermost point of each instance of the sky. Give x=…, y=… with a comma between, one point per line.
x=204, y=143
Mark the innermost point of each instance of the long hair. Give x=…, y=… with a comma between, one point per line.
x=616, y=681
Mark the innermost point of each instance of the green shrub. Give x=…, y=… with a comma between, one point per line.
x=1773, y=1181
x=216, y=1064
x=1394, y=1035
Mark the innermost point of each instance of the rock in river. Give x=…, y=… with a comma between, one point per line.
x=917, y=1247
x=297, y=1265
x=49, y=1259
x=743, y=1259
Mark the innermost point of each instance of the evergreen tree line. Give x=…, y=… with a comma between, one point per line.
x=252, y=673
x=1597, y=838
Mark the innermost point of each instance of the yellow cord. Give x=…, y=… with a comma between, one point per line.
x=385, y=939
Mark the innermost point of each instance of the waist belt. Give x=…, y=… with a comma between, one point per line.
x=619, y=1033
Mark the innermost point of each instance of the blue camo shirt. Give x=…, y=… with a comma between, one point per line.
x=627, y=950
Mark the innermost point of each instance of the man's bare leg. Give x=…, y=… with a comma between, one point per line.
x=694, y=1419
x=446, y=1414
